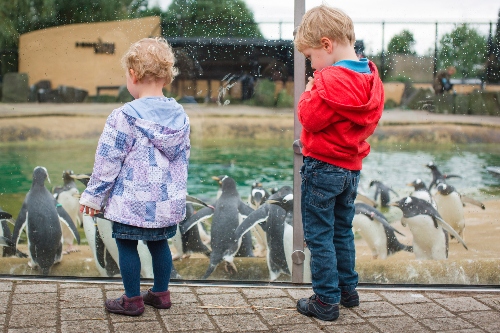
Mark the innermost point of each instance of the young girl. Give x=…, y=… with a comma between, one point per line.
x=140, y=174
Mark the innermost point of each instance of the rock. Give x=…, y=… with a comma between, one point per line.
x=15, y=88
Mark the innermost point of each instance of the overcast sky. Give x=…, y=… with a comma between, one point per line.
x=377, y=11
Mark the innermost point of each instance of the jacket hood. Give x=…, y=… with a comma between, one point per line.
x=354, y=96
x=163, y=121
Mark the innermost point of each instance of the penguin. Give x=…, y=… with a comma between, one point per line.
x=276, y=218
x=430, y=231
x=191, y=241
x=42, y=217
x=450, y=205
x=384, y=192
x=421, y=192
x=377, y=232
x=437, y=176
x=258, y=195
x=6, y=250
x=226, y=215
x=68, y=196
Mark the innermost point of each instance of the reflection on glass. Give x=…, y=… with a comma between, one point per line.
x=237, y=89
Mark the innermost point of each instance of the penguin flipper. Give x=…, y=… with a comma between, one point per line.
x=387, y=225
x=20, y=223
x=196, y=201
x=448, y=228
x=245, y=209
x=4, y=241
x=472, y=201
x=66, y=219
x=366, y=200
x=200, y=216
x=451, y=176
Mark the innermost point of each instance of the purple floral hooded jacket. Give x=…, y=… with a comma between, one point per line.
x=141, y=164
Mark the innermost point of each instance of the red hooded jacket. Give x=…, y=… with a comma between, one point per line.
x=339, y=113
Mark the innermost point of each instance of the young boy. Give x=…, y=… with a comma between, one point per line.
x=140, y=174
x=338, y=110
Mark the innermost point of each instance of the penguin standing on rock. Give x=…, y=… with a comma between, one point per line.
x=229, y=210
x=377, y=232
x=42, y=217
x=384, y=192
x=430, y=231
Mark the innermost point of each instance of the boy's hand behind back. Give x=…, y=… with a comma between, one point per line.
x=310, y=84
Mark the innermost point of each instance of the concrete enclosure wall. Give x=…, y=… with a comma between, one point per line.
x=83, y=55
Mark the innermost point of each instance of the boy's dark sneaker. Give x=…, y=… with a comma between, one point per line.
x=133, y=306
x=349, y=299
x=159, y=300
x=313, y=307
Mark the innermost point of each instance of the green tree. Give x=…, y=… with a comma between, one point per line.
x=465, y=49
x=493, y=64
x=402, y=43
x=210, y=18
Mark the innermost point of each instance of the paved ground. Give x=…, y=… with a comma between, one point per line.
x=77, y=306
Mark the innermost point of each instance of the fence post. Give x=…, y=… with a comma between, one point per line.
x=299, y=71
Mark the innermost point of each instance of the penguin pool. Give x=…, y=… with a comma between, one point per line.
x=271, y=164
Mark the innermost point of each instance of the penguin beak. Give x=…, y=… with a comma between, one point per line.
x=82, y=176
x=395, y=204
x=271, y=201
x=216, y=178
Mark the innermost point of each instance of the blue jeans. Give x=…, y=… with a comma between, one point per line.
x=328, y=194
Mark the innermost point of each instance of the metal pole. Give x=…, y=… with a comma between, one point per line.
x=435, y=70
x=299, y=73
x=382, y=55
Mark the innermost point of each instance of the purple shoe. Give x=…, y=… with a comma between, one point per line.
x=159, y=300
x=133, y=306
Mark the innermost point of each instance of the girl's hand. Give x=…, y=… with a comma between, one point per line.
x=310, y=84
x=88, y=210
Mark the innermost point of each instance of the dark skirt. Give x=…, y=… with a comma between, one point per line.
x=125, y=231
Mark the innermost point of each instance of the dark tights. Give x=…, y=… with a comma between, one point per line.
x=130, y=265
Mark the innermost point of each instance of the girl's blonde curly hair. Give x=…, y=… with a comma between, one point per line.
x=323, y=21
x=151, y=59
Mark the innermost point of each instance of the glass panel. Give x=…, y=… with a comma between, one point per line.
x=236, y=83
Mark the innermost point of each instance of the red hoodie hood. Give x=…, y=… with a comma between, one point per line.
x=355, y=96
x=339, y=113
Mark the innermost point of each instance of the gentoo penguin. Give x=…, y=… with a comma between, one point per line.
x=384, y=192
x=189, y=242
x=258, y=195
x=68, y=196
x=437, y=176
x=421, y=192
x=276, y=218
x=380, y=236
x=228, y=211
x=430, y=231
x=42, y=217
x=450, y=206
x=6, y=250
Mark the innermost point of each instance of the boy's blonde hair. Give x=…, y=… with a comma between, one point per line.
x=323, y=21
x=151, y=58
